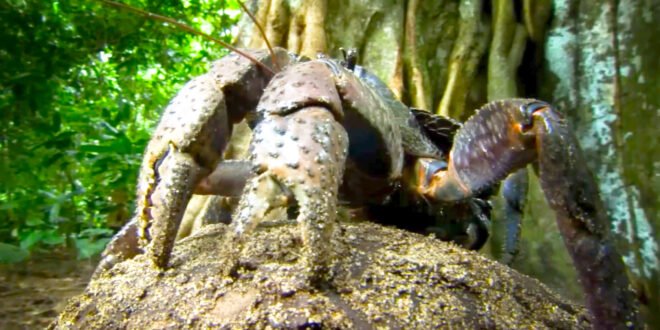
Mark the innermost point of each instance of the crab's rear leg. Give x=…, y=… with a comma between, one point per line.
x=514, y=195
x=507, y=135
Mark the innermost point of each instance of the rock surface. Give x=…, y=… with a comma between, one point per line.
x=381, y=278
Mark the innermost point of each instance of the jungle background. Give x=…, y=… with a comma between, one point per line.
x=82, y=85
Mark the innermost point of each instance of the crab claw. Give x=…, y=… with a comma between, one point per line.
x=496, y=141
x=507, y=135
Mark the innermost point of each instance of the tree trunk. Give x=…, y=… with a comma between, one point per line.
x=595, y=61
x=600, y=65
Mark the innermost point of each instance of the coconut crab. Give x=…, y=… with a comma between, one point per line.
x=326, y=130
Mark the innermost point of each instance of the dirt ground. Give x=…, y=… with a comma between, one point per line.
x=33, y=293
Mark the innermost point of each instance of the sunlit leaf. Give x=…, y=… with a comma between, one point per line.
x=52, y=237
x=31, y=239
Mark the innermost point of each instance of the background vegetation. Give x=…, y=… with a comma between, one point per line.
x=81, y=85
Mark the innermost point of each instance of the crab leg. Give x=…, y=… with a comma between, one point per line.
x=188, y=141
x=506, y=135
x=124, y=245
x=228, y=179
x=299, y=149
x=514, y=193
x=571, y=191
x=186, y=146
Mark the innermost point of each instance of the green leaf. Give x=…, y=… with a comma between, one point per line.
x=34, y=222
x=12, y=254
x=54, y=212
x=31, y=239
x=61, y=90
x=88, y=248
x=52, y=237
x=92, y=148
x=52, y=159
x=61, y=141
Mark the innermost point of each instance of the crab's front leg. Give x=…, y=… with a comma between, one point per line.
x=299, y=150
x=186, y=146
x=176, y=163
x=507, y=135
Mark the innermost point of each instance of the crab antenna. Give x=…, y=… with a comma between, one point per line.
x=186, y=28
x=261, y=32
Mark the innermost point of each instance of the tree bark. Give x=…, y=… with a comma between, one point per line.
x=600, y=66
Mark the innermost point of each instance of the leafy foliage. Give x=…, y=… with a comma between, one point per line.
x=81, y=86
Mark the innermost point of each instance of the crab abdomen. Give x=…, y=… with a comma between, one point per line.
x=413, y=139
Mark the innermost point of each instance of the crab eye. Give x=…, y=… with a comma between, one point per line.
x=426, y=169
x=434, y=167
x=534, y=106
x=528, y=110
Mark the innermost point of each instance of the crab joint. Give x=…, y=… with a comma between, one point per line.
x=435, y=180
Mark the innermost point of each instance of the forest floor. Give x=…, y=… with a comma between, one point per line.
x=32, y=293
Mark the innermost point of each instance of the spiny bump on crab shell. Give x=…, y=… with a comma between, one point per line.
x=292, y=89
x=308, y=151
